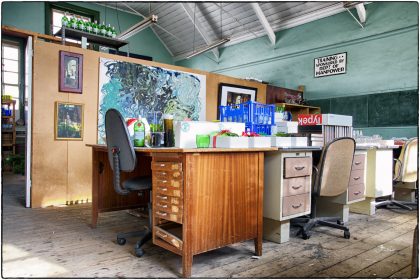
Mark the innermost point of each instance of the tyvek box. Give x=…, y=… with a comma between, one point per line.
x=185, y=131
x=259, y=142
x=289, y=141
x=333, y=119
x=232, y=142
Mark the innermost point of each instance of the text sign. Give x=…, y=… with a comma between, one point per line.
x=330, y=65
x=309, y=119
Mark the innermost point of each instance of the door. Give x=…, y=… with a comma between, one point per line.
x=28, y=118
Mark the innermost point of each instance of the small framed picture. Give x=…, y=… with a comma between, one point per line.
x=71, y=72
x=233, y=94
x=68, y=121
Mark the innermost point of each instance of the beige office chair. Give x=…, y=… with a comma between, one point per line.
x=405, y=171
x=331, y=179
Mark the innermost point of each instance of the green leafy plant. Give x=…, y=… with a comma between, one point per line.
x=281, y=134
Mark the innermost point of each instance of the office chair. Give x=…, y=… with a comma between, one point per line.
x=405, y=171
x=330, y=179
x=122, y=157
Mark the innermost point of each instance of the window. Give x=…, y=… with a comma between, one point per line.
x=10, y=62
x=57, y=15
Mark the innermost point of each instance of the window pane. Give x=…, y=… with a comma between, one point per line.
x=10, y=52
x=10, y=65
x=11, y=90
x=10, y=78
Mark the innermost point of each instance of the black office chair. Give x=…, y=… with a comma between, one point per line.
x=122, y=157
x=331, y=178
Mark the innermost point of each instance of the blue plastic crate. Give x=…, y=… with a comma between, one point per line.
x=258, y=128
x=250, y=111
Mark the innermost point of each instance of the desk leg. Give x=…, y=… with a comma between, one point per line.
x=366, y=207
x=95, y=187
x=187, y=260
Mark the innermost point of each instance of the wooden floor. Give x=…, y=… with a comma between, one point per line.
x=58, y=242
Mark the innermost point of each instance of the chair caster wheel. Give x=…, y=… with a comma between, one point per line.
x=139, y=252
x=121, y=241
x=347, y=234
x=305, y=235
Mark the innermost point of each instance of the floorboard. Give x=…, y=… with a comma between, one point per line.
x=57, y=242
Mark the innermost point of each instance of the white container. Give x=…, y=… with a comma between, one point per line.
x=259, y=142
x=333, y=119
x=231, y=142
x=285, y=127
x=185, y=131
x=289, y=141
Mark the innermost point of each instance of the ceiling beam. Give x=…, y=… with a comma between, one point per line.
x=264, y=22
x=200, y=28
x=361, y=12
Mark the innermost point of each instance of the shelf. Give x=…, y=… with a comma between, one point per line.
x=7, y=145
x=8, y=101
x=296, y=106
x=92, y=38
x=7, y=131
x=7, y=117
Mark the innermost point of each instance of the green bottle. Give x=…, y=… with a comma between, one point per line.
x=95, y=27
x=114, y=33
x=103, y=29
x=65, y=20
x=109, y=30
x=89, y=26
x=139, y=133
x=73, y=23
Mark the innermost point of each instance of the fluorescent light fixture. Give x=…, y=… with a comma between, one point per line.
x=138, y=27
x=209, y=47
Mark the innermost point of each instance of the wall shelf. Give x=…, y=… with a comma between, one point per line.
x=7, y=139
x=91, y=38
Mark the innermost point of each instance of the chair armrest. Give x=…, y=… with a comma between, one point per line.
x=116, y=178
x=397, y=161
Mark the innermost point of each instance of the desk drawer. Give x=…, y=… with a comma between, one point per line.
x=169, y=183
x=164, y=199
x=169, y=237
x=169, y=208
x=170, y=191
x=358, y=162
x=295, y=186
x=295, y=204
x=168, y=216
x=167, y=166
x=167, y=175
x=297, y=167
x=356, y=192
x=356, y=177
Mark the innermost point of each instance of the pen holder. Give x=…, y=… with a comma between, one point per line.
x=202, y=140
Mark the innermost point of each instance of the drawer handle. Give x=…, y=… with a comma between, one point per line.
x=164, y=181
x=356, y=178
x=162, y=205
x=161, y=213
x=297, y=206
x=296, y=187
x=357, y=162
x=299, y=167
x=162, y=197
x=163, y=189
x=162, y=165
x=357, y=193
x=162, y=235
x=163, y=173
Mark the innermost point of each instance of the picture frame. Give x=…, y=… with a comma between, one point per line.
x=230, y=94
x=71, y=72
x=68, y=121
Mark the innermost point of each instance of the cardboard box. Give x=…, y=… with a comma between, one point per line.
x=333, y=119
x=259, y=142
x=185, y=131
x=284, y=127
x=232, y=142
x=289, y=141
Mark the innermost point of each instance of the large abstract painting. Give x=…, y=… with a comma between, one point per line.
x=135, y=89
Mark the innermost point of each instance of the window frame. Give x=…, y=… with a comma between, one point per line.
x=65, y=7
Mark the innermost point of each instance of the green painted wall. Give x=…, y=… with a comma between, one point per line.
x=31, y=16
x=382, y=57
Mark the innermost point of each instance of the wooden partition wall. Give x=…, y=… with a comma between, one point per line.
x=61, y=170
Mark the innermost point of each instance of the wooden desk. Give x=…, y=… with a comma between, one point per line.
x=203, y=199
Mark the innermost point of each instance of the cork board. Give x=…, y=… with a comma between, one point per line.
x=62, y=170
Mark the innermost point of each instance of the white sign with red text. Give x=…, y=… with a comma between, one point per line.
x=309, y=119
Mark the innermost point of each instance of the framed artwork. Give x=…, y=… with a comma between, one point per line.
x=233, y=94
x=71, y=72
x=68, y=121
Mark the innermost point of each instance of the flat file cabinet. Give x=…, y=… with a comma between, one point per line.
x=287, y=190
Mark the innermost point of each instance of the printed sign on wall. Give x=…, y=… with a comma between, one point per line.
x=330, y=65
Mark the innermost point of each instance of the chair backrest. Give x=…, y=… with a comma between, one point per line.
x=406, y=171
x=335, y=167
x=117, y=137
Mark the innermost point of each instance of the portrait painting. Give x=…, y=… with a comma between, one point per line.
x=68, y=121
x=71, y=72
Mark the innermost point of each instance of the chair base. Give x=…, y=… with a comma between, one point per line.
x=145, y=235
x=392, y=202
x=306, y=224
